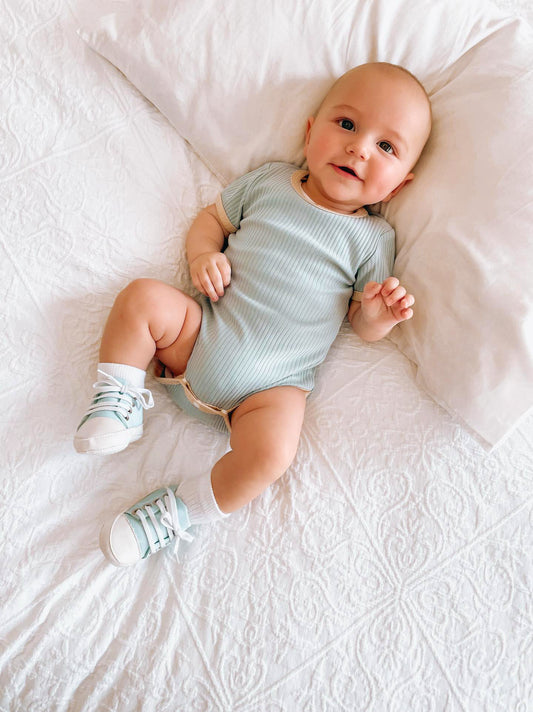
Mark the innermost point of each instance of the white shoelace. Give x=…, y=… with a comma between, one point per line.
x=126, y=396
x=169, y=519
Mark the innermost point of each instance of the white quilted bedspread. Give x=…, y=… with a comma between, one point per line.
x=389, y=570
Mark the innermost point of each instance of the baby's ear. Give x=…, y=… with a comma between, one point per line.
x=310, y=122
x=408, y=178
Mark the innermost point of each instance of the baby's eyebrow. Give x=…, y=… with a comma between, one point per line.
x=345, y=107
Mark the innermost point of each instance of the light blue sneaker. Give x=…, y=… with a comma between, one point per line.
x=114, y=418
x=145, y=528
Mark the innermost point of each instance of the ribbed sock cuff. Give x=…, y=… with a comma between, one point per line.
x=197, y=495
x=130, y=374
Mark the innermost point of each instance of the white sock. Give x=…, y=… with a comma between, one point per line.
x=131, y=374
x=197, y=495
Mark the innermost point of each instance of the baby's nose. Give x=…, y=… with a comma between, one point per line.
x=359, y=148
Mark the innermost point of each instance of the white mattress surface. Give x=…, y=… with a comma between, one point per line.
x=390, y=569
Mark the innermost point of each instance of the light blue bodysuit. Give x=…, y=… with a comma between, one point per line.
x=294, y=268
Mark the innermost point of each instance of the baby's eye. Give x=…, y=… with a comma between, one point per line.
x=385, y=146
x=346, y=124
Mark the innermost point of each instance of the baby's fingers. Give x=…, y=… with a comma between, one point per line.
x=371, y=290
x=215, y=282
x=225, y=270
x=402, y=309
x=388, y=286
x=210, y=273
x=220, y=275
x=203, y=284
x=395, y=296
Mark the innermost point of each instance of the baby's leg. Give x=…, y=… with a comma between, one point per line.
x=264, y=438
x=151, y=318
x=148, y=318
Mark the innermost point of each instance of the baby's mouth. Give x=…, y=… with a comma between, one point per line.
x=348, y=171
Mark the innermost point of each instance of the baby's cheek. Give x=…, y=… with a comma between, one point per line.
x=322, y=146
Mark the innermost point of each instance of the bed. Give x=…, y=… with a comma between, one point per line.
x=389, y=570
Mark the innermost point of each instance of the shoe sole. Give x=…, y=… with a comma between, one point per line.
x=115, y=442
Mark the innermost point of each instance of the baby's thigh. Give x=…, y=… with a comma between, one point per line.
x=268, y=424
x=174, y=323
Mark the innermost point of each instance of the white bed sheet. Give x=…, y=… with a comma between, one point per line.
x=390, y=569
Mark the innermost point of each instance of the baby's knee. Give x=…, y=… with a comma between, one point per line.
x=276, y=456
x=139, y=295
x=266, y=430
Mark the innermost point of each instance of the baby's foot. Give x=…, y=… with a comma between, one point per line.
x=145, y=528
x=114, y=418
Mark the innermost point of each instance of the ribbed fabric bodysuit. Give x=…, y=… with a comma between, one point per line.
x=294, y=268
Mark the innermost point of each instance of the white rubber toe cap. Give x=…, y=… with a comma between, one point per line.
x=119, y=543
x=104, y=436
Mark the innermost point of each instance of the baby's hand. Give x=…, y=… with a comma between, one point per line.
x=387, y=303
x=210, y=273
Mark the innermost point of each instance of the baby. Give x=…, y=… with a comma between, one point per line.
x=280, y=259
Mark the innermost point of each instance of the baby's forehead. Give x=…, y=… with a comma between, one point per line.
x=377, y=79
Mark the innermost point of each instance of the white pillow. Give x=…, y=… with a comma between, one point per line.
x=238, y=80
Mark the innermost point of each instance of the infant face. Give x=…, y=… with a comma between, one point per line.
x=366, y=137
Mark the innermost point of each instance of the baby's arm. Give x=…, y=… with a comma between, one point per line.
x=210, y=268
x=382, y=307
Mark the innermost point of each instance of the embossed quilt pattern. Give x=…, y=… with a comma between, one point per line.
x=390, y=569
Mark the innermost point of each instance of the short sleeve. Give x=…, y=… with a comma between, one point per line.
x=379, y=265
x=231, y=202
